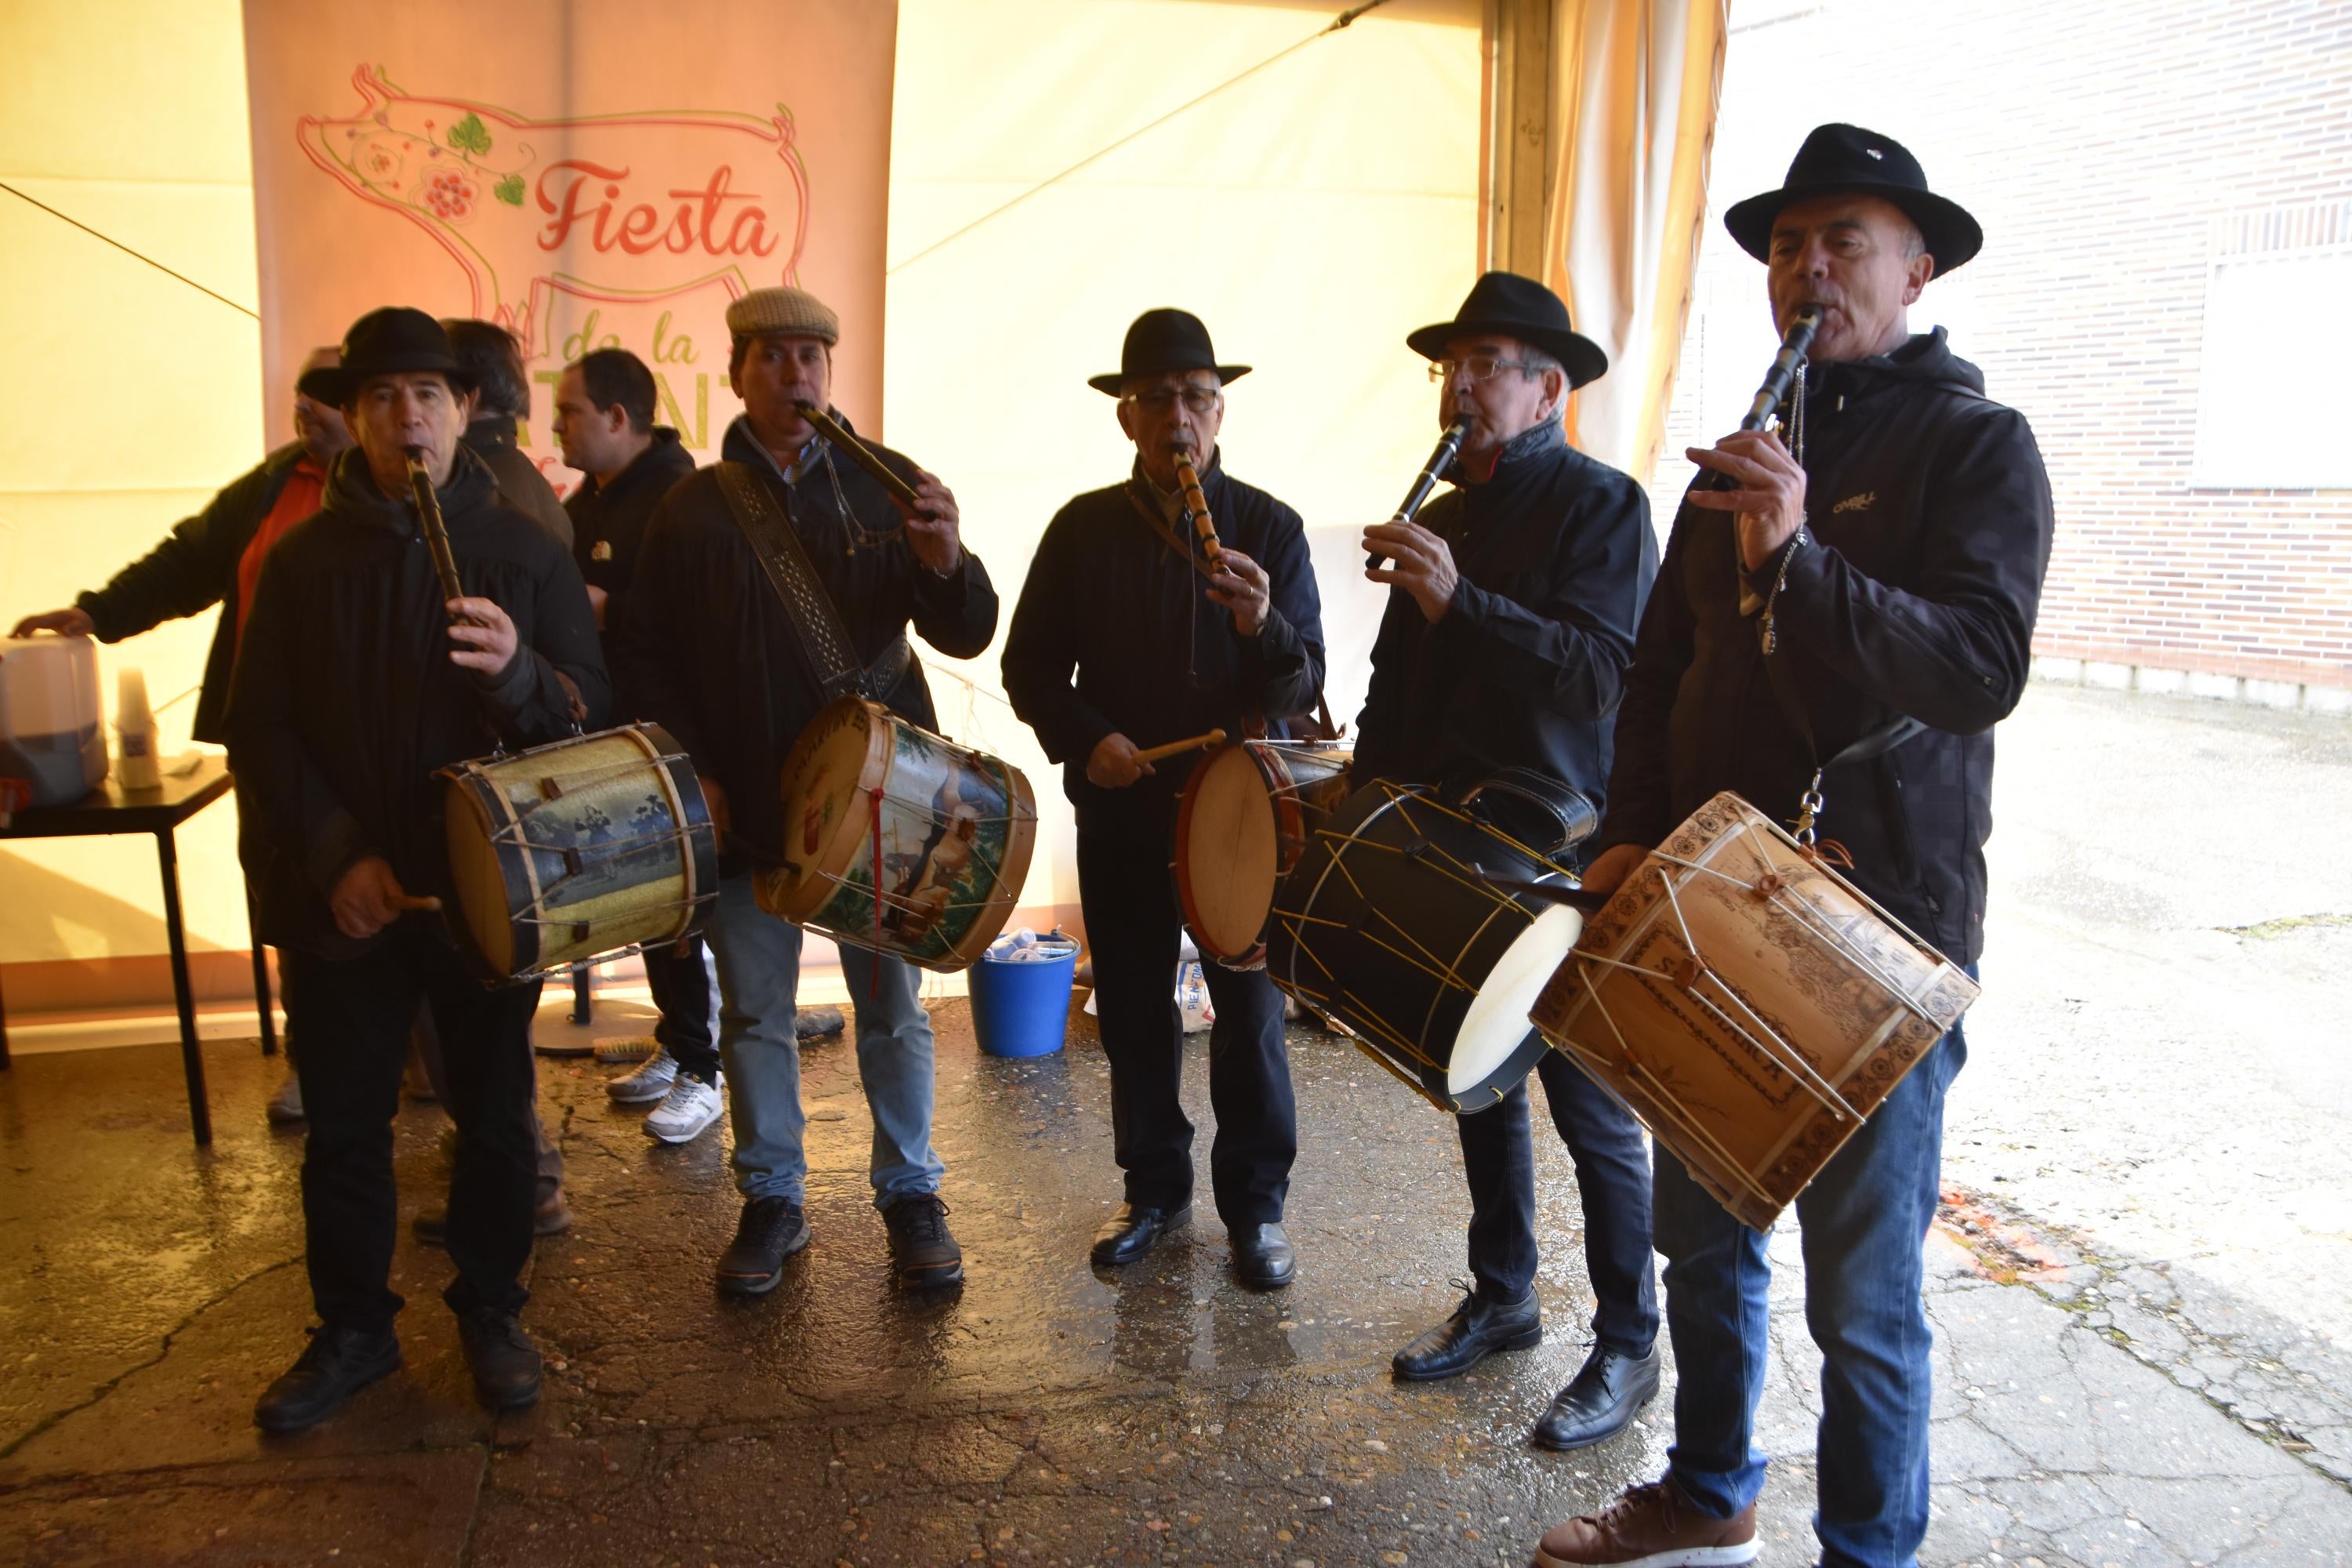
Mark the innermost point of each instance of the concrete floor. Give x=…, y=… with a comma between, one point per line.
x=2126, y=1354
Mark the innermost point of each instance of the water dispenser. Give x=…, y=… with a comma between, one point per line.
x=52, y=734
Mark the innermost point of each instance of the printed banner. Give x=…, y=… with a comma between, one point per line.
x=587, y=173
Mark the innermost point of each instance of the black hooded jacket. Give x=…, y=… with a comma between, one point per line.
x=1930, y=519
x=1555, y=555
x=345, y=700
x=706, y=648
x=1114, y=633
x=609, y=518
x=492, y=437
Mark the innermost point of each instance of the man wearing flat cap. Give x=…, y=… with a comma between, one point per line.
x=1130, y=634
x=707, y=648
x=1508, y=627
x=352, y=686
x=1849, y=616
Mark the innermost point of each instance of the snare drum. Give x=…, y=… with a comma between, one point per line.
x=874, y=802
x=1245, y=817
x=1749, y=1005
x=574, y=850
x=1391, y=926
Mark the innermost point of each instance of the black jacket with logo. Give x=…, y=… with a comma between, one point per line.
x=1555, y=554
x=345, y=700
x=191, y=570
x=609, y=520
x=1114, y=633
x=706, y=648
x=1930, y=519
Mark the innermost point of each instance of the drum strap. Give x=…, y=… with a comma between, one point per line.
x=1875, y=743
x=1146, y=511
x=824, y=638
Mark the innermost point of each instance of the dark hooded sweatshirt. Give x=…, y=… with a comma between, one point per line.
x=706, y=648
x=1556, y=556
x=609, y=518
x=1930, y=519
x=1155, y=658
x=345, y=700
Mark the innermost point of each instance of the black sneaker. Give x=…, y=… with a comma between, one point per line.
x=924, y=1252
x=504, y=1362
x=771, y=1230
x=338, y=1364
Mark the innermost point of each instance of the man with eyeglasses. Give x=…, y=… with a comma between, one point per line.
x=1505, y=644
x=1169, y=640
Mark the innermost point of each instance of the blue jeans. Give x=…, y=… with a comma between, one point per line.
x=1863, y=1223
x=759, y=960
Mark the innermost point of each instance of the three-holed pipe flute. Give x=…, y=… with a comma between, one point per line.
x=856, y=450
x=1774, y=391
x=1196, y=505
x=436, y=531
x=1425, y=482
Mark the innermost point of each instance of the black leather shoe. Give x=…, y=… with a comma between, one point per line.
x=1132, y=1230
x=1477, y=1329
x=771, y=1230
x=337, y=1363
x=923, y=1250
x=1600, y=1400
x=504, y=1362
x=1263, y=1257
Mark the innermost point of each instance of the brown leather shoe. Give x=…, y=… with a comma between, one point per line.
x=1650, y=1527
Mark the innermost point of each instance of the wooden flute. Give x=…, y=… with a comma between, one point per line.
x=1196, y=505
x=856, y=450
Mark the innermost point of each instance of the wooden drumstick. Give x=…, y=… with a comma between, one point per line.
x=1178, y=748
x=418, y=903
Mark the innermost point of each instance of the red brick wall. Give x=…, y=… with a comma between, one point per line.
x=2107, y=146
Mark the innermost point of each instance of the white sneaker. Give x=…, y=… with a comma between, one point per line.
x=286, y=1105
x=620, y=1049
x=691, y=1106
x=645, y=1085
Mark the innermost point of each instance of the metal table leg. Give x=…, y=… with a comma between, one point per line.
x=260, y=978
x=191, y=1058
x=5, y=1063
x=583, y=992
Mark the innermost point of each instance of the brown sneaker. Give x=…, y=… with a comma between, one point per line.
x=1650, y=1527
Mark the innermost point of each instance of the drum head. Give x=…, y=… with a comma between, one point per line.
x=1229, y=853
x=1497, y=1024
x=824, y=819
x=477, y=876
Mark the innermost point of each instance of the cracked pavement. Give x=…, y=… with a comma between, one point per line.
x=2137, y=1285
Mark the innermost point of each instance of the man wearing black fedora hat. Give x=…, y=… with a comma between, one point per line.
x=1854, y=608
x=352, y=686
x=1507, y=629
x=1130, y=633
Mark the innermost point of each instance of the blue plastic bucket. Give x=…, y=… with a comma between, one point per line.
x=1021, y=1009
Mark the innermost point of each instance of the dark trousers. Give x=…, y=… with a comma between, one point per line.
x=1133, y=928
x=353, y=1017
x=680, y=978
x=1612, y=1177
x=427, y=1041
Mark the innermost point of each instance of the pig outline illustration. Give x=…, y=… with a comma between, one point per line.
x=379, y=132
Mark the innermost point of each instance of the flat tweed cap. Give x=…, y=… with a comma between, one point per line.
x=793, y=312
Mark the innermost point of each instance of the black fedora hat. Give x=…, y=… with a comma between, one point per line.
x=386, y=341
x=1511, y=306
x=1847, y=158
x=1160, y=340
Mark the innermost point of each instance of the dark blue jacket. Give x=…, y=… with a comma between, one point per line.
x=1525, y=669
x=1154, y=657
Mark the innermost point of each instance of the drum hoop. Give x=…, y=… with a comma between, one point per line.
x=545, y=919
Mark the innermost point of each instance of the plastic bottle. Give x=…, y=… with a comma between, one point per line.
x=134, y=729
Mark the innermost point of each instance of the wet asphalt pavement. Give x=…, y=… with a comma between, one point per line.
x=2103, y=1348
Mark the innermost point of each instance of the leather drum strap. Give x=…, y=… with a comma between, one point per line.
x=824, y=638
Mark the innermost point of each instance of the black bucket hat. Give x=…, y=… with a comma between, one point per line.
x=1162, y=341
x=1837, y=158
x=387, y=342
x=1513, y=307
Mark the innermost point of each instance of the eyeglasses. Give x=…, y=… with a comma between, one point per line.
x=1197, y=399
x=1482, y=367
